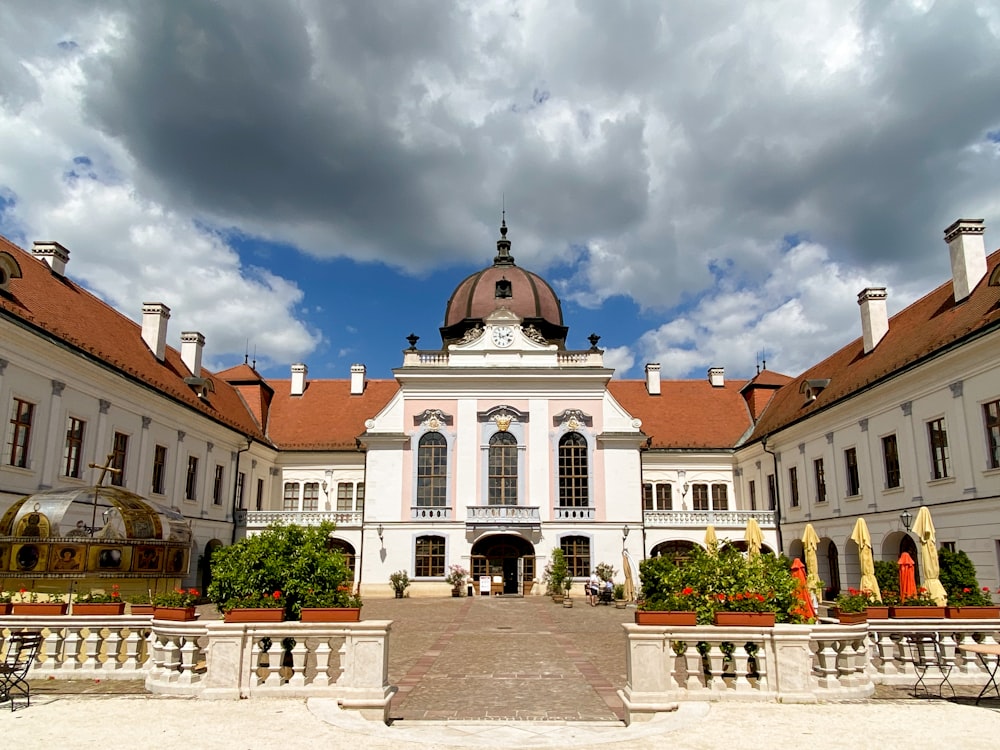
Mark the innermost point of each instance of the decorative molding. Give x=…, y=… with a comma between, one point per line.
x=738, y=471
x=802, y=449
x=572, y=419
x=3, y=365
x=907, y=407
x=104, y=405
x=253, y=463
x=181, y=435
x=956, y=389
x=58, y=387
x=829, y=438
x=757, y=464
x=146, y=422
x=274, y=471
x=432, y=419
x=863, y=424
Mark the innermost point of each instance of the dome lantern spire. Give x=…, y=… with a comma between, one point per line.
x=504, y=258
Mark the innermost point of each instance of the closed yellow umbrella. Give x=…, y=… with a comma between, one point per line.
x=754, y=538
x=627, y=565
x=863, y=539
x=923, y=527
x=711, y=540
x=810, y=542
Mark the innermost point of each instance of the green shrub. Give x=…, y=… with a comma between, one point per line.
x=887, y=575
x=958, y=576
x=556, y=575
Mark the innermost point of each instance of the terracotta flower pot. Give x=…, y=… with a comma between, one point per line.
x=331, y=614
x=5, y=608
x=745, y=619
x=38, y=609
x=255, y=614
x=661, y=617
x=878, y=612
x=850, y=618
x=182, y=614
x=141, y=609
x=98, y=608
x=983, y=612
x=920, y=612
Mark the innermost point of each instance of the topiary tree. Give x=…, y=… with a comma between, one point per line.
x=298, y=561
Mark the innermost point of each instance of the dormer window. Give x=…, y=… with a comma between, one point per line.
x=504, y=290
x=9, y=269
x=813, y=387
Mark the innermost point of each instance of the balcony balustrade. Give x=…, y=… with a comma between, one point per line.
x=426, y=513
x=699, y=519
x=502, y=516
x=260, y=519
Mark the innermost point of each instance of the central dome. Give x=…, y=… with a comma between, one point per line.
x=503, y=284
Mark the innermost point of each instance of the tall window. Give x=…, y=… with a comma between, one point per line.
x=939, y=449
x=20, y=436
x=699, y=497
x=890, y=455
x=429, y=559
x=576, y=549
x=503, y=469
x=290, y=498
x=351, y=496
x=159, y=468
x=191, y=485
x=991, y=414
x=216, y=484
x=573, y=484
x=119, y=452
x=241, y=478
x=432, y=471
x=359, y=497
x=752, y=487
x=793, y=486
x=851, y=466
x=310, y=496
x=772, y=492
x=73, y=453
x=260, y=494
x=820, y=480
x=657, y=496
x=720, y=497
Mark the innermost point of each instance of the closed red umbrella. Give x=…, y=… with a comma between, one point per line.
x=907, y=579
x=805, y=606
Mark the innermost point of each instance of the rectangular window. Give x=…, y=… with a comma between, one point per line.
x=241, y=478
x=345, y=496
x=950, y=546
x=191, y=485
x=290, y=499
x=216, y=485
x=664, y=497
x=576, y=550
x=772, y=492
x=647, y=496
x=752, y=487
x=359, y=497
x=851, y=466
x=699, y=497
x=260, y=494
x=24, y=412
x=159, y=468
x=890, y=456
x=720, y=497
x=73, y=453
x=939, y=449
x=991, y=414
x=119, y=453
x=793, y=486
x=820, y=480
x=310, y=496
x=429, y=561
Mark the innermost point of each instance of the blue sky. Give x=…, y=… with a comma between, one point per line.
x=700, y=181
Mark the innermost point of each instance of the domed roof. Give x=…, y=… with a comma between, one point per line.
x=503, y=284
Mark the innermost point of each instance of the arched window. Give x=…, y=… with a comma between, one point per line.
x=432, y=471
x=503, y=469
x=573, y=474
x=429, y=557
x=576, y=550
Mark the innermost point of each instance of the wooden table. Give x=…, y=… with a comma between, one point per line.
x=984, y=651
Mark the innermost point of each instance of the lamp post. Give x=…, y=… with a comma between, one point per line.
x=907, y=518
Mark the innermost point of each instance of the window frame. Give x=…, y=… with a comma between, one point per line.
x=21, y=420
x=157, y=481
x=991, y=423
x=73, y=450
x=819, y=474
x=700, y=497
x=772, y=492
x=937, y=436
x=573, y=461
x=503, y=469
x=119, y=458
x=432, y=471
x=720, y=496
x=310, y=496
x=577, y=552
x=217, y=481
x=429, y=556
x=793, y=486
x=191, y=479
x=890, y=461
x=290, y=493
x=851, y=472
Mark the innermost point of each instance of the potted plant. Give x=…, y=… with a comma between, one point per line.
x=400, y=582
x=29, y=603
x=852, y=607
x=99, y=603
x=971, y=603
x=176, y=604
x=669, y=608
x=618, y=592
x=567, y=585
x=257, y=607
x=5, y=606
x=921, y=605
x=140, y=603
x=744, y=609
x=457, y=576
x=555, y=574
x=331, y=605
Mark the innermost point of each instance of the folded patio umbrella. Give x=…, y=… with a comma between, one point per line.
x=863, y=539
x=923, y=527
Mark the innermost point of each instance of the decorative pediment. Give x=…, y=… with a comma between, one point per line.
x=432, y=419
x=572, y=419
x=503, y=416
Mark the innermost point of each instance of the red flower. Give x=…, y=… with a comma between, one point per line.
x=687, y=591
x=966, y=590
x=276, y=594
x=721, y=597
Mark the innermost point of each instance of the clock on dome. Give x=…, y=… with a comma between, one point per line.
x=503, y=336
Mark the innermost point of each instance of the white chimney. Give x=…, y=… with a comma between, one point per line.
x=299, y=372
x=52, y=253
x=968, y=255
x=192, y=344
x=154, y=327
x=717, y=376
x=874, y=317
x=357, y=380
x=653, y=378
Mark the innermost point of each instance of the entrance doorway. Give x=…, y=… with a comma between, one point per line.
x=505, y=555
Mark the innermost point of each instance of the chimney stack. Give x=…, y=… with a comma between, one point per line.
x=357, y=380
x=968, y=255
x=653, y=378
x=717, y=376
x=54, y=254
x=299, y=373
x=154, y=327
x=874, y=317
x=192, y=344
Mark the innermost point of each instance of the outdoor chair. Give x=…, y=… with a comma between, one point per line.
x=928, y=654
x=604, y=597
x=22, y=648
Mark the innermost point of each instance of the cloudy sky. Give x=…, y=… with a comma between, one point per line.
x=702, y=182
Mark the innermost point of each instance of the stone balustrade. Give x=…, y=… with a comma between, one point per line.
x=699, y=519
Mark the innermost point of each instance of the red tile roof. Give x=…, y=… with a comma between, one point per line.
x=690, y=414
x=326, y=416
x=58, y=308
x=923, y=329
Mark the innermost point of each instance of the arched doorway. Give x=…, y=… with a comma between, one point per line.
x=907, y=545
x=505, y=555
x=206, y=563
x=350, y=556
x=677, y=550
x=829, y=567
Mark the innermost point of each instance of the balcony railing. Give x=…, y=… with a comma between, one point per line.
x=574, y=514
x=425, y=513
x=502, y=515
x=699, y=519
x=259, y=519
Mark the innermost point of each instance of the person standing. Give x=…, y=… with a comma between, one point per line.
x=593, y=588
